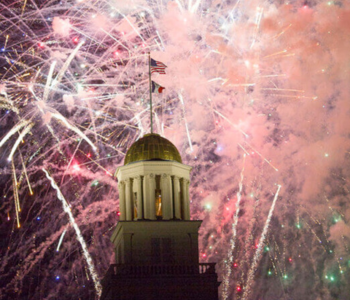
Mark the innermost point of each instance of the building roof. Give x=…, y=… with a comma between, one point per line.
x=152, y=147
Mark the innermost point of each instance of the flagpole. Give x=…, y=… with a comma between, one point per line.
x=150, y=89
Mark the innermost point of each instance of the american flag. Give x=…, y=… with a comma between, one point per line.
x=157, y=67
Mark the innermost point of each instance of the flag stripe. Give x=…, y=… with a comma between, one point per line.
x=157, y=67
x=157, y=71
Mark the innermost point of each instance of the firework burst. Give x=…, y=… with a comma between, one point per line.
x=259, y=84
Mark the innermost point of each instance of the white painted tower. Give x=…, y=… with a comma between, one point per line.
x=155, y=241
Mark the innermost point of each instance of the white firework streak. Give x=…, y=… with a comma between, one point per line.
x=226, y=281
x=19, y=139
x=13, y=131
x=66, y=65
x=26, y=174
x=15, y=194
x=48, y=81
x=193, y=8
x=80, y=238
x=184, y=112
x=260, y=247
x=73, y=128
x=61, y=240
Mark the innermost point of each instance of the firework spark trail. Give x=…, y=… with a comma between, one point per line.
x=73, y=128
x=161, y=40
x=259, y=249
x=79, y=236
x=13, y=131
x=19, y=139
x=8, y=103
x=132, y=26
x=257, y=23
x=235, y=126
x=41, y=105
x=249, y=240
x=245, y=151
x=26, y=174
x=184, y=115
x=228, y=266
x=139, y=124
x=48, y=81
x=61, y=240
x=193, y=8
x=116, y=40
x=66, y=65
x=15, y=194
x=96, y=163
x=265, y=159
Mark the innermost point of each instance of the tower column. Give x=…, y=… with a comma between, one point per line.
x=121, y=188
x=135, y=197
x=167, y=201
x=177, y=204
x=139, y=197
x=128, y=199
x=149, y=186
x=186, y=198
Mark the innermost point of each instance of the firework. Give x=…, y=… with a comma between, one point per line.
x=264, y=82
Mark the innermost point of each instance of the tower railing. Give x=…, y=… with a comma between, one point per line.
x=202, y=269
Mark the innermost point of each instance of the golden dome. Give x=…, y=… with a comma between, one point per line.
x=152, y=147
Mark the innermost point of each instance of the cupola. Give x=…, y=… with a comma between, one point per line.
x=153, y=183
x=152, y=147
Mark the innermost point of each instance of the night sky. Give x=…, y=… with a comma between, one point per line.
x=256, y=99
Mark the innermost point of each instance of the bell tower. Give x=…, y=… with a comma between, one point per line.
x=155, y=241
